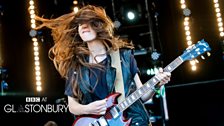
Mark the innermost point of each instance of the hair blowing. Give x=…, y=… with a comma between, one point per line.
x=69, y=51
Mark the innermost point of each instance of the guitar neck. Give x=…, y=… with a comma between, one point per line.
x=149, y=85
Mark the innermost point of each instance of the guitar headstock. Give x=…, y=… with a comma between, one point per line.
x=195, y=50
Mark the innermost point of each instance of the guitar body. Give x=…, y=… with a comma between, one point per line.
x=86, y=121
x=109, y=120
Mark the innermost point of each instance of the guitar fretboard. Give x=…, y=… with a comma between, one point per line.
x=148, y=86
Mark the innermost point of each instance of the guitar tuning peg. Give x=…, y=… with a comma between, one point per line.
x=196, y=61
x=203, y=57
x=208, y=54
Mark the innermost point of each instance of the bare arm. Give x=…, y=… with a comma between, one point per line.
x=96, y=107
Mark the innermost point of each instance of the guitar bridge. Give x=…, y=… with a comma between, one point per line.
x=99, y=122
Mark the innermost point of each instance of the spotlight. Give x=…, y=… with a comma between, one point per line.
x=131, y=15
x=152, y=71
x=186, y=12
x=117, y=24
x=33, y=33
x=155, y=55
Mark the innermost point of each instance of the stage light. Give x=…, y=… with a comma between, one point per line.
x=31, y=7
x=32, y=11
x=218, y=16
x=192, y=62
x=76, y=7
x=35, y=48
x=36, y=58
x=183, y=6
x=37, y=63
x=39, y=88
x=35, y=41
x=219, y=19
x=33, y=33
x=182, y=2
x=188, y=33
x=33, y=25
x=220, y=24
x=38, y=83
x=152, y=71
x=217, y=10
x=37, y=68
x=193, y=68
x=155, y=55
x=32, y=21
x=131, y=15
x=38, y=78
x=222, y=34
x=75, y=2
x=117, y=24
x=31, y=2
x=38, y=73
x=187, y=13
x=36, y=53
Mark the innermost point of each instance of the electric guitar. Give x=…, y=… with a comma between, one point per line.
x=114, y=113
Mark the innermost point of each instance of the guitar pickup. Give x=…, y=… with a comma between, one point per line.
x=114, y=112
x=102, y=121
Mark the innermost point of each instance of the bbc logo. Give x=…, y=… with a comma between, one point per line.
x=32, y=99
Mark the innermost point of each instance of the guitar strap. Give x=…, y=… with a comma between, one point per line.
x=119, y=83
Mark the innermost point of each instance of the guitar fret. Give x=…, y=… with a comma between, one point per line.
x=133, y=97
x=148, y=85
x=129, y=100
x=125, y=103
x=169, y=68
x=155, y=80
x=151, y=83
x=120, y=106
x=144, y=89
x=139, y=92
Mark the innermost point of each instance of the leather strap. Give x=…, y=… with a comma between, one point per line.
x=119, y=83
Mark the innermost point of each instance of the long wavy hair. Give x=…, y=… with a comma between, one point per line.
x=69, y=51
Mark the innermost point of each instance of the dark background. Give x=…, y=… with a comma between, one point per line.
x=193, y=98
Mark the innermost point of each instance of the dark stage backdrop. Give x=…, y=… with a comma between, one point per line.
x=193, y=98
